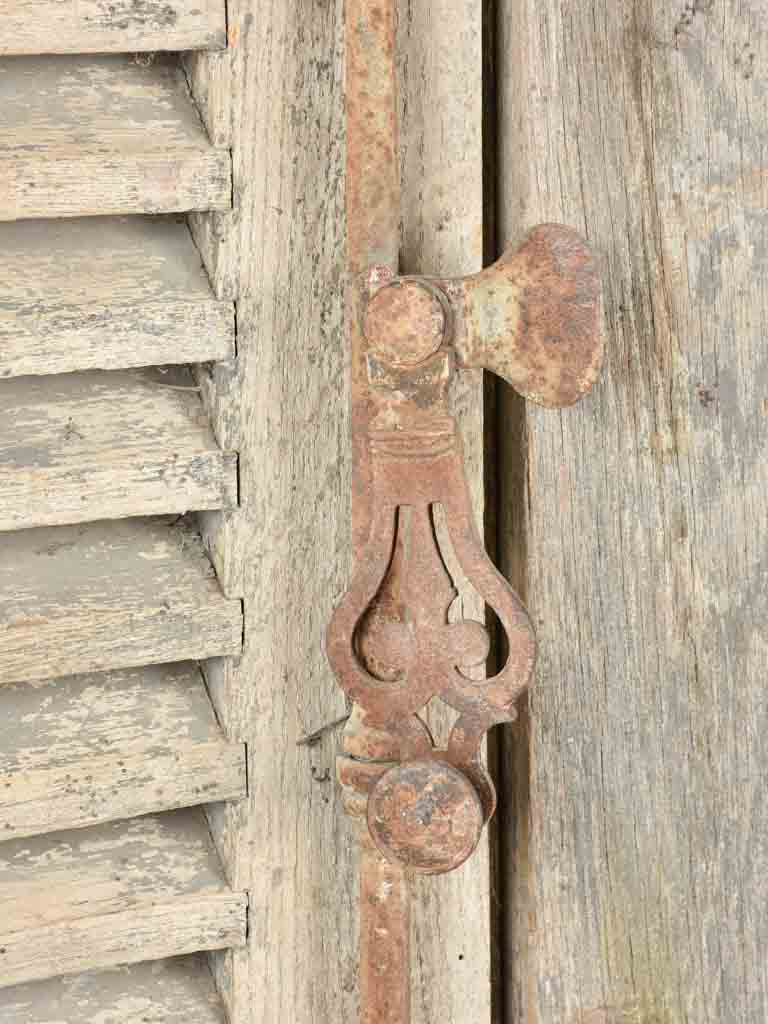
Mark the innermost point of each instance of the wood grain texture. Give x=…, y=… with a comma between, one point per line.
x=103, y=135
x=210, y=76
x=110, y=26
x=113, y=894
x=108, y=595
x=439, y=48
x=283, y=405
x=87, y=749
x=105, y=445
x=643, y=125
x=106, y=293
x=284, y=399
x=179, y=990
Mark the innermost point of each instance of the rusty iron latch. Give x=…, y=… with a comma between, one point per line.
x=533, y=318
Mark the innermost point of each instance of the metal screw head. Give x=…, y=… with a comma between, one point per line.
x=404, y=323
x=425, y=814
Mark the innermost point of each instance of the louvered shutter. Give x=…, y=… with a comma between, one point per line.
x=111, y=890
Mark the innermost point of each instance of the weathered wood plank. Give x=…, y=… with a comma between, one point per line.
x=179, y=990
x=113, y=894
x=109, y=595
x=106, y=293
x=87, y=749
x=110, y=26
x=105, y=445
x=644, y=126
x=440, y=84
x=288, y=547
x=103, y=135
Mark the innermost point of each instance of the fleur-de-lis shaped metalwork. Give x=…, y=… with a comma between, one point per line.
x=533, y=318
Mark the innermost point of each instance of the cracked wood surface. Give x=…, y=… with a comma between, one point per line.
x=118, y=893
x=643, y=126
x=283, y=405
x=109, y=595
x=179, y=990
x=105, y=445
x=110, y=26
x=440, y=65
x=86, y=749
x=106, y=293
x=103, y=135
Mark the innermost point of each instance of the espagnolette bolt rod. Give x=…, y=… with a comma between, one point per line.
x=533, y=318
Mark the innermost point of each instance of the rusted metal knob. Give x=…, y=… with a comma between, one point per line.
x=425, y=814
x=534, y=317
x=405, y=322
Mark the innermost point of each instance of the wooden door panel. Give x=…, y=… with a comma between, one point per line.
x=644, y=516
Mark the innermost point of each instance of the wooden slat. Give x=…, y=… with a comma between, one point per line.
x=208, y=75
x=108, y=595
x=111, y=134
x=121, y=26
x=645, y=518
x=87, y=749
x=104, y=445
x=210, y=81
x=113, y=894
x=105, y=293
x=179, y=990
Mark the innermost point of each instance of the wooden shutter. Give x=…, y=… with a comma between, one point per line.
x=642, y=520
x=111, y=887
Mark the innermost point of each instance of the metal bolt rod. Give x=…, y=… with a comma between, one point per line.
x=373, y=180
x=373, y=237
x=373, y=204
x=385, y=960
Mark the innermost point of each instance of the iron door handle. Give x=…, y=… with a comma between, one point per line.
x=534, y=319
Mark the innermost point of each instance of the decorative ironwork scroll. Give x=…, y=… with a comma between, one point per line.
x=533, y=318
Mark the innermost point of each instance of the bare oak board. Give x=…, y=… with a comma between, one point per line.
x=643, y=126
